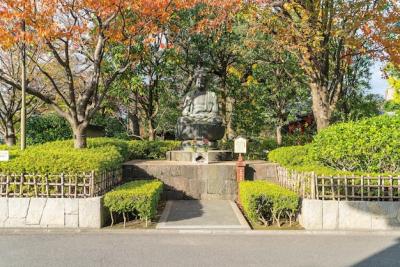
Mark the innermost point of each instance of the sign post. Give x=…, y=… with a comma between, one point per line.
x=240, y=148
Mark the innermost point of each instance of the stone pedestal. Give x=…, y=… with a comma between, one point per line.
x=200, y=156
x=187, y=180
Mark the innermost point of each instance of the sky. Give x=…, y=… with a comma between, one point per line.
x=378, y=83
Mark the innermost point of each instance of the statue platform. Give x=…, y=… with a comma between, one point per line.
x=188, y=180
x=200, y=156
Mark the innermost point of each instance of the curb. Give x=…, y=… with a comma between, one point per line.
x=23, y=231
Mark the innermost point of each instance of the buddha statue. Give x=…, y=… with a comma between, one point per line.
x=200, y=121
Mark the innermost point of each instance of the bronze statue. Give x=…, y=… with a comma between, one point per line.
x=200, y=120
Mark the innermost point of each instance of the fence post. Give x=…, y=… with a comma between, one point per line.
x=362, y=187
x=91, y=189
x=62, y=185
x=47, y=184
x=313, y=183
x=7, y=184
x=21, y=183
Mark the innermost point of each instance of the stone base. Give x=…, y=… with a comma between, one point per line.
x=187, y=180
x=201, y=156
x=349, y=215
x=52, y=213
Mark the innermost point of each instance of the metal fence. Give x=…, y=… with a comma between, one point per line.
x=367, y=188
x=77, y=185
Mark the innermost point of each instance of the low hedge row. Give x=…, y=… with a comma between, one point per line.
x=268, y=203
x=101, y=154
x=138, y=198
x=298, y=158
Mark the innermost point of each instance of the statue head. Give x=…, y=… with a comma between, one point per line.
x=202, y=79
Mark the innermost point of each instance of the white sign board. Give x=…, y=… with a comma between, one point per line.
x=240, y=145
x=4, y=155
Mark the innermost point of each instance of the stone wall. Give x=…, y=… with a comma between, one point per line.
x=349, y=215
x=186, y=180
x=51, y=212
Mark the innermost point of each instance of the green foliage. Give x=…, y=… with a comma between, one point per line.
x=151, y=149
x=267, y=203
x=256, y=148
x=370, y=145
x=298, y=158
x=112, y=126
x=60, y=156
x=138, y=197
x=101, y=154
x=392, y=106
x=47, y=128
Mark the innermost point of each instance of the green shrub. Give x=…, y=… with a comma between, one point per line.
x=370, y=145
x=112, y=126
x=139, y=198
x=267, y=203
x=256, y=148
x=101, y=154
x=47, y=128
x=151, y=149
x=61, y=157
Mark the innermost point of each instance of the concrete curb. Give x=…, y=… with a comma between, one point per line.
x=38, y=231
x=239, y=216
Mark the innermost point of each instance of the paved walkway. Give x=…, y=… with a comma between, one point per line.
x=202, y=214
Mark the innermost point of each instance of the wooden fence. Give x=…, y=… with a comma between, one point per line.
x=367, y=188
x=77, y=185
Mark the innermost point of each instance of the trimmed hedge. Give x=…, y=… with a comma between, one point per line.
x=370, y=145
x=268, y=203
x=367, y=147
x=101, y=154
x=298, y=158
x=60, y=156
x=139, y=198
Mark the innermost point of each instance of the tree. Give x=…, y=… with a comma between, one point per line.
x=355, y=100
x=74, y=38
x=10, y=96
x=325, y=35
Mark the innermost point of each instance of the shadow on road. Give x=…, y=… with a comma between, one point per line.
x=387, y=257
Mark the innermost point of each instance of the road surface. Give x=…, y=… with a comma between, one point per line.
x=155, y=248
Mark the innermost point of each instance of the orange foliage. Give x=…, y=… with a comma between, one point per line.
x=49, y=19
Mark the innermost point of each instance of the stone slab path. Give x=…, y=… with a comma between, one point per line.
x=202, y=214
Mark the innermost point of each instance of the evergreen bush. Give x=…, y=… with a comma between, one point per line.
x=267, y=203
x=47, y=128
x=369, y=145
x=138, y=198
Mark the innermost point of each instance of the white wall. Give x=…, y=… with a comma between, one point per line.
x=349, y=215
x=51, y=212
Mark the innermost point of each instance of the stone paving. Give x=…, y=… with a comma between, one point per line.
x=202, y=214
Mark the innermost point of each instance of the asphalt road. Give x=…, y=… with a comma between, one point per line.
x=174, y=249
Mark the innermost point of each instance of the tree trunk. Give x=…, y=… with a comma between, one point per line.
x=80, y=137
x=226, y=112
x=133, y=124
x=9, y=137
x=151, y=130
x=230, y=133
x=321, y=106
x=279, y=134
